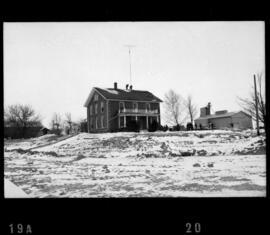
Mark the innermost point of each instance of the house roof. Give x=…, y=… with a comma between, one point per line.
x=44, y=128
x=120, y=94
x=229, y=114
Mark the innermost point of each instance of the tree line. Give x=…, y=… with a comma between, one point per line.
x=65, y=124
x=178, y=110
x=28, y=123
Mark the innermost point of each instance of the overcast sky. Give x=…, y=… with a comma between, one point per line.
x=53, y=66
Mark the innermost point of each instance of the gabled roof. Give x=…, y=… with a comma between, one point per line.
x=44, y=128
x=119, y=94
x=229, y=114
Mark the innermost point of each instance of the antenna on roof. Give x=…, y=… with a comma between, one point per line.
x=129, y=52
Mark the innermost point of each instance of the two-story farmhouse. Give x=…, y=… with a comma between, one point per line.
x=111, y=109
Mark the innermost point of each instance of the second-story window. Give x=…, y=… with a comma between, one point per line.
x=102, y=106
x=96, y=106
x=135, y=106
x=96, y=97
x=91, y=109
x=121, y=107
x=147, y=107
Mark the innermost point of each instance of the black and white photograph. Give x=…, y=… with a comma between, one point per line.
x=134, y=109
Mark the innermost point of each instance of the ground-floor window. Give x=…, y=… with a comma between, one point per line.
x=102, y=122
x=91, y=123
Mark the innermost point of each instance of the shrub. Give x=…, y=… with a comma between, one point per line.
x=153, y=126
x=189, y=126
x=176, y=128
x=165, y=128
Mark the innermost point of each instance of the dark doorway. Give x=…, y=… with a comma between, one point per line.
x=142, y=122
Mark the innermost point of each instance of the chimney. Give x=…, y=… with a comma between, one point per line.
x=208, y=111
x=130, y=87
x=115, y=85
x=203, y=112
x=126, y=86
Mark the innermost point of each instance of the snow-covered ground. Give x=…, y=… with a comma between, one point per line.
x=13, y=191
x=161, y=164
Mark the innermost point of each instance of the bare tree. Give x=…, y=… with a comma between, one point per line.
x=69, y=120
x=56, y=121
x=173, y=104
x=191, y=108
x=249, y=104
x=21, y=116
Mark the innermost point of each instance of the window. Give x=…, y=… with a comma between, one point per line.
x=102, y=121
x=147, y=107
x=121, y=107
x=96, y=97
x=135, y=106
x=96, y=106
x=91, y=123
x=102, y=106
x=91, y=109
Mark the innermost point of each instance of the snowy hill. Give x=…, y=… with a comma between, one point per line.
x=189, y=164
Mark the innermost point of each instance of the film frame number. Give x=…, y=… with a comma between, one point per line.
x=20, y=229
x=193, y=228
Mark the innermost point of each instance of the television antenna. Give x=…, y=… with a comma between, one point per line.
x=129, y=53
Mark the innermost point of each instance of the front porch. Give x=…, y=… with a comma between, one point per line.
x=144, y=120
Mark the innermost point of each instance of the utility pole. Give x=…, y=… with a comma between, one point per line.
x=129, y=53
x=256, y=104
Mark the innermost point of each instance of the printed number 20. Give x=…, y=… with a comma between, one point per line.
x=196, y=229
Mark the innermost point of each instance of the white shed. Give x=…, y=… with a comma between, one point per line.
x=220, y=120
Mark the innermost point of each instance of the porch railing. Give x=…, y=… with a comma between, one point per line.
x=145, y=111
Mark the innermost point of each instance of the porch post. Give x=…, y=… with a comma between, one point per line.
x=147, y=122
x=118, y=122
x=136, y=118
x=124, y=121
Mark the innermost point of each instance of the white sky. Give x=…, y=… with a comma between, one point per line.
x=53, y=66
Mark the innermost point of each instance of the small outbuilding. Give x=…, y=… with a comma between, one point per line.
x=44, y=131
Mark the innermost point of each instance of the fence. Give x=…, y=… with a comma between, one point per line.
x=17, y=133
